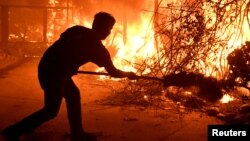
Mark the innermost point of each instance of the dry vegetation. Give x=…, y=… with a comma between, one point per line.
x=191, y=59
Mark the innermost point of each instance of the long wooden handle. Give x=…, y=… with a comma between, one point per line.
x=103, y=73
x=93, y=73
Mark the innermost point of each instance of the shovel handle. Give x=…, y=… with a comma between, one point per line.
x=92, y=73
x=103, y=73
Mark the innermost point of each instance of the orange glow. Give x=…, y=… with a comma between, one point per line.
x=235, y=35
x=226, y=98
x=139, y=45
x=140, y=41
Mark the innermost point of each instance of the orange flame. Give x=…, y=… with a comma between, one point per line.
x=140, y=42
x=140, y=39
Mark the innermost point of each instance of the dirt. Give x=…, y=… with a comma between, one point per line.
x=21, y=95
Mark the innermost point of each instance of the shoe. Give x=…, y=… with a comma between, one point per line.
x=84, y=137
x=8, y=136
x=89, y=137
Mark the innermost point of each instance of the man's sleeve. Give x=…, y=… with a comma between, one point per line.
x=109, y=66
x=103, y=58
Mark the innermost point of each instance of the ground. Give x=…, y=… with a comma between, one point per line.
x=21, y=95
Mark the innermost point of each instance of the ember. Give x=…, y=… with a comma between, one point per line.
x=226, y=98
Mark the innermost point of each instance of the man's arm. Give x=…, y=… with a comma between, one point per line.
x=103, y=59
x=114, y=72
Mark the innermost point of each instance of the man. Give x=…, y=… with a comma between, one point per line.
x=75, y=47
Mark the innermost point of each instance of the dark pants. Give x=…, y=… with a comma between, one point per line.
x=53, y=94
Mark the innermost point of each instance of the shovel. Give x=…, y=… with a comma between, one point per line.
x=209, y=87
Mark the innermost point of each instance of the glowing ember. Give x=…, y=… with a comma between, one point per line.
x=188, y=93
x=146, y=97
x=226, y=98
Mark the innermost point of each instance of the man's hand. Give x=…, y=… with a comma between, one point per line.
x=132, y=75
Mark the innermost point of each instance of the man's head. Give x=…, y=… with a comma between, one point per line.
x=103, y=24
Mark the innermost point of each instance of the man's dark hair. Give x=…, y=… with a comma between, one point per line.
x=103, y=19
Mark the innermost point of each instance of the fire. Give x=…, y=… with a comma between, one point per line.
x=140, y=40
x=236, y=34
x=140, y=44
x=226, y=98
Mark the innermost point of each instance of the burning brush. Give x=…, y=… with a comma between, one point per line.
x=209, y=88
